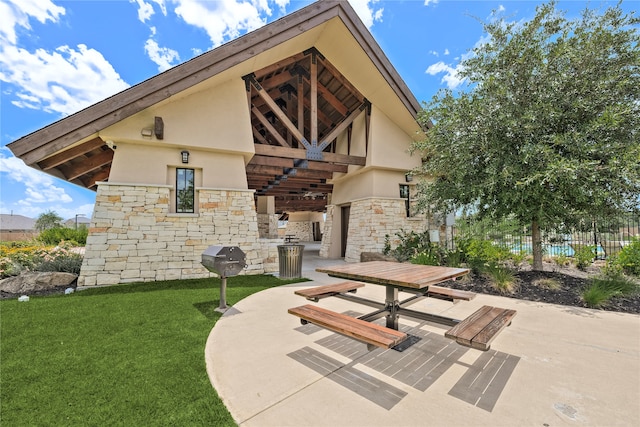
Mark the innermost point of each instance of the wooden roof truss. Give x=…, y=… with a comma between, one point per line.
x=299, y=106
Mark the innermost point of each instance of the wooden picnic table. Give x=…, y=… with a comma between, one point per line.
x=396, y=277
x=477, y=330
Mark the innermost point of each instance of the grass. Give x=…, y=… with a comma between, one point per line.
x=502, y=279
x=602, y=289
x=548, y=283
x=123, y=355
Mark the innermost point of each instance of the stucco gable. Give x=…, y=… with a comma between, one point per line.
x=68, y=131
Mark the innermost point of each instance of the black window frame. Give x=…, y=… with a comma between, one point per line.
x=405, y=193
x=185, y=194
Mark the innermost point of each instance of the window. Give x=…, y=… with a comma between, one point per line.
x=404, y=193
x=185, y=190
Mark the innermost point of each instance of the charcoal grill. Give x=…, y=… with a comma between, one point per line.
x=225, y=261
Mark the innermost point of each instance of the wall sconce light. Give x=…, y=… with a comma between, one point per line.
x=148, y=132
x=408, y=177
x=185, y=156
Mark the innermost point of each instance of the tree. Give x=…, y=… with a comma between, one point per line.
x=548, y=128
x=47, y=220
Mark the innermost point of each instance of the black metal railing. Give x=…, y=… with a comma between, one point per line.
x=607, y=235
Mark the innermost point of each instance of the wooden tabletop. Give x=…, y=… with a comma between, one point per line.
x=394, y=273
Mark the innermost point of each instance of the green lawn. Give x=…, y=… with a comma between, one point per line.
x=130, y=355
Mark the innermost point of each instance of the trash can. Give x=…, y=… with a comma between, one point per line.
x=290, y=257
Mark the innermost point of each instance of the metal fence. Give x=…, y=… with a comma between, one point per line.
x=608, y=235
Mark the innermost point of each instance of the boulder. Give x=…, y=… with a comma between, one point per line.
x=36, y=282
x=375, y=256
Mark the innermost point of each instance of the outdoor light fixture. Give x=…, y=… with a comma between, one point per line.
x=185, y=156
x=408, y=177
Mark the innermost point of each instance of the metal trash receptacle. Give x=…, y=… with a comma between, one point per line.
x=290, y=258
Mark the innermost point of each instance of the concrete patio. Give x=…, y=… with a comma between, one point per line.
x=554, y=365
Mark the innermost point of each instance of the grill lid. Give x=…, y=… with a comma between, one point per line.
x=224, y=260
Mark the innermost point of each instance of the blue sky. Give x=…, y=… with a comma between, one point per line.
x=57, y=57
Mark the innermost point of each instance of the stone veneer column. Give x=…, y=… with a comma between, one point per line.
x=133, y=236
x=371, y=219
x=326, y=232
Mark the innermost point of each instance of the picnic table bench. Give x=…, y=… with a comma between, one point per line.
x=372, y=334
x=319, y=292
x=479, y=329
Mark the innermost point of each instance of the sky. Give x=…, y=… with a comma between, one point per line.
x=58, y=57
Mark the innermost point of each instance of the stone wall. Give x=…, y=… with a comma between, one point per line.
x=269, y=250
x=327, y=232
x=268, y=226
x=370, y=221
x=134, y=237
x=300, y=230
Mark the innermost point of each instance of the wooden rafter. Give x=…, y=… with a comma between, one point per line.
x=89, y=165
x=70, y=154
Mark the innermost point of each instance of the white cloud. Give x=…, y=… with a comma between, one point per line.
x=61, y=81
x=367, y=11
x=452, y=75
x=163, y=56
x=39, y=187
x=16, y=13
x=145, y=10
x=64, y=81
x=223, y=20
x=446, y=51
x=282, y=4
x=428, y=2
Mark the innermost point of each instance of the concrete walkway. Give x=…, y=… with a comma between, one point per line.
x=553, y=366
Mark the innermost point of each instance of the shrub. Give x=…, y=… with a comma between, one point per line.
x=484, y=250
x=502, y=279
x=584, y=255
x=629, y=257
x=54, y=236
x=425, y=258
x=15, y=260
x=519, y=258
x=454, y=258
x=60, y=260
x=561, y=260
x=411, y=244
x=611, y=284
x=595, y=296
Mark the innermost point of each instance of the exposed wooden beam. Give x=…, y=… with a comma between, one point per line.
x=282, y=116
x=280, y=64
x=275, y=170
x=332, y=100
x=257, y=135
x=313, y=97
x=88, y=165
x=271, y=161
x=71, y=153
x=97, y=177
x=337, y=75
x=299, y=153
x=272, y=130
x=300, y=96
x=289, y=163
x=341, y=127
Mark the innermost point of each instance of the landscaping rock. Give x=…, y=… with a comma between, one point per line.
x=375, y=256
x=36, y=283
